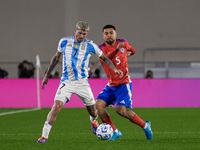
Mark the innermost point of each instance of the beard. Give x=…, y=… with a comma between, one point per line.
x=79, y=40
x=110, y=41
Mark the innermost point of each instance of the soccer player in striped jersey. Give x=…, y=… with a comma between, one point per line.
x=119, y=89
x=76, y=52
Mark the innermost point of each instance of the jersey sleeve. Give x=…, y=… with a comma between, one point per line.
x=97, y=51
x=129, y=47
x=62, y=43
x=59, y=48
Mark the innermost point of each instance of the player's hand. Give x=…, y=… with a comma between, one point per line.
x=129, y=53
x=120, y=45
x=45, y=80
x=119, y=72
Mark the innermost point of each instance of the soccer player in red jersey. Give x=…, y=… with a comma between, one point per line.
x=119, y=89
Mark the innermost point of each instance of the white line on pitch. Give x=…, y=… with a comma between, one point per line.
x=19, y=111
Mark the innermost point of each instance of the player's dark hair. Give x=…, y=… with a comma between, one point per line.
x=108, y=26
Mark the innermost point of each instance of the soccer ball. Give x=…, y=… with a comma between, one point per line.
x=104, y=131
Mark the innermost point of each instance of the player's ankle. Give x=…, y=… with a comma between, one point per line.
x=116, y=130
x=93, y=119
x=145, y=126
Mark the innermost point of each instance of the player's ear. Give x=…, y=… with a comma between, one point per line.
x=75, y=30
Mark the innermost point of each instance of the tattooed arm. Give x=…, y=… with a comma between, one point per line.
x=53, y=63
x=109, y=63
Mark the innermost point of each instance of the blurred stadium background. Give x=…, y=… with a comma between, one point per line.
x=165, y=34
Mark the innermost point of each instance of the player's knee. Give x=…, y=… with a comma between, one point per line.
x=100, y=104
x=57, y=106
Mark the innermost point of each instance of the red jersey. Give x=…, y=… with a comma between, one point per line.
x=119, y=60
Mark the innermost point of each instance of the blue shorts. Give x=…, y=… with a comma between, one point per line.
x=120, y=95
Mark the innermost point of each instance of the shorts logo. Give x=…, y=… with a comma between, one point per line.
x=122, y=102
x=122, y=50
x=67, y=99
x=59, y=92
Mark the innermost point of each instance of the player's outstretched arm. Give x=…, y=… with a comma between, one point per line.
x=109, y=63
x=112, y=54
x=53, y=63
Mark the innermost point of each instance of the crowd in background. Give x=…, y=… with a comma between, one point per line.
x=3, y=73
x=26, y=69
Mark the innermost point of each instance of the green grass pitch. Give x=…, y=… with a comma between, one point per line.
x=173, y=128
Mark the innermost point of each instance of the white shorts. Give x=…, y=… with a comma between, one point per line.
x=79, y=87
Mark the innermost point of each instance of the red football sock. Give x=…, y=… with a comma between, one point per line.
x=137, y=120
x=109, y=121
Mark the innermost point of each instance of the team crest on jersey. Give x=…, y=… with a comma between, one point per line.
x=76, y=45
x=122, y=50
x=83, y=47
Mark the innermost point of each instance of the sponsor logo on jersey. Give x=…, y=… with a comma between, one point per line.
x=70, y=45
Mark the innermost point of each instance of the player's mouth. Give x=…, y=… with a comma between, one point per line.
x=109, y=39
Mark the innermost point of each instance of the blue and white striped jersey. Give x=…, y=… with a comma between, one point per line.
x=76, y=57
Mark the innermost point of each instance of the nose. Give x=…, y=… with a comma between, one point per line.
x=108, y=35
x=81, y=36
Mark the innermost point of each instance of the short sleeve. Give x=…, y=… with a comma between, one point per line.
x=130, y=48
x=97, y=51
x=59, y=45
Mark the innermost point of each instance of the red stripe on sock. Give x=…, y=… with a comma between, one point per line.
x=137, y=120
x=109, y=121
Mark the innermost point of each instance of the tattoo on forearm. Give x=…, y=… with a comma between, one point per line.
x=53, y=63
x=108, y=62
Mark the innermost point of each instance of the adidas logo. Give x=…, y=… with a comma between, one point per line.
x=123, y=102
